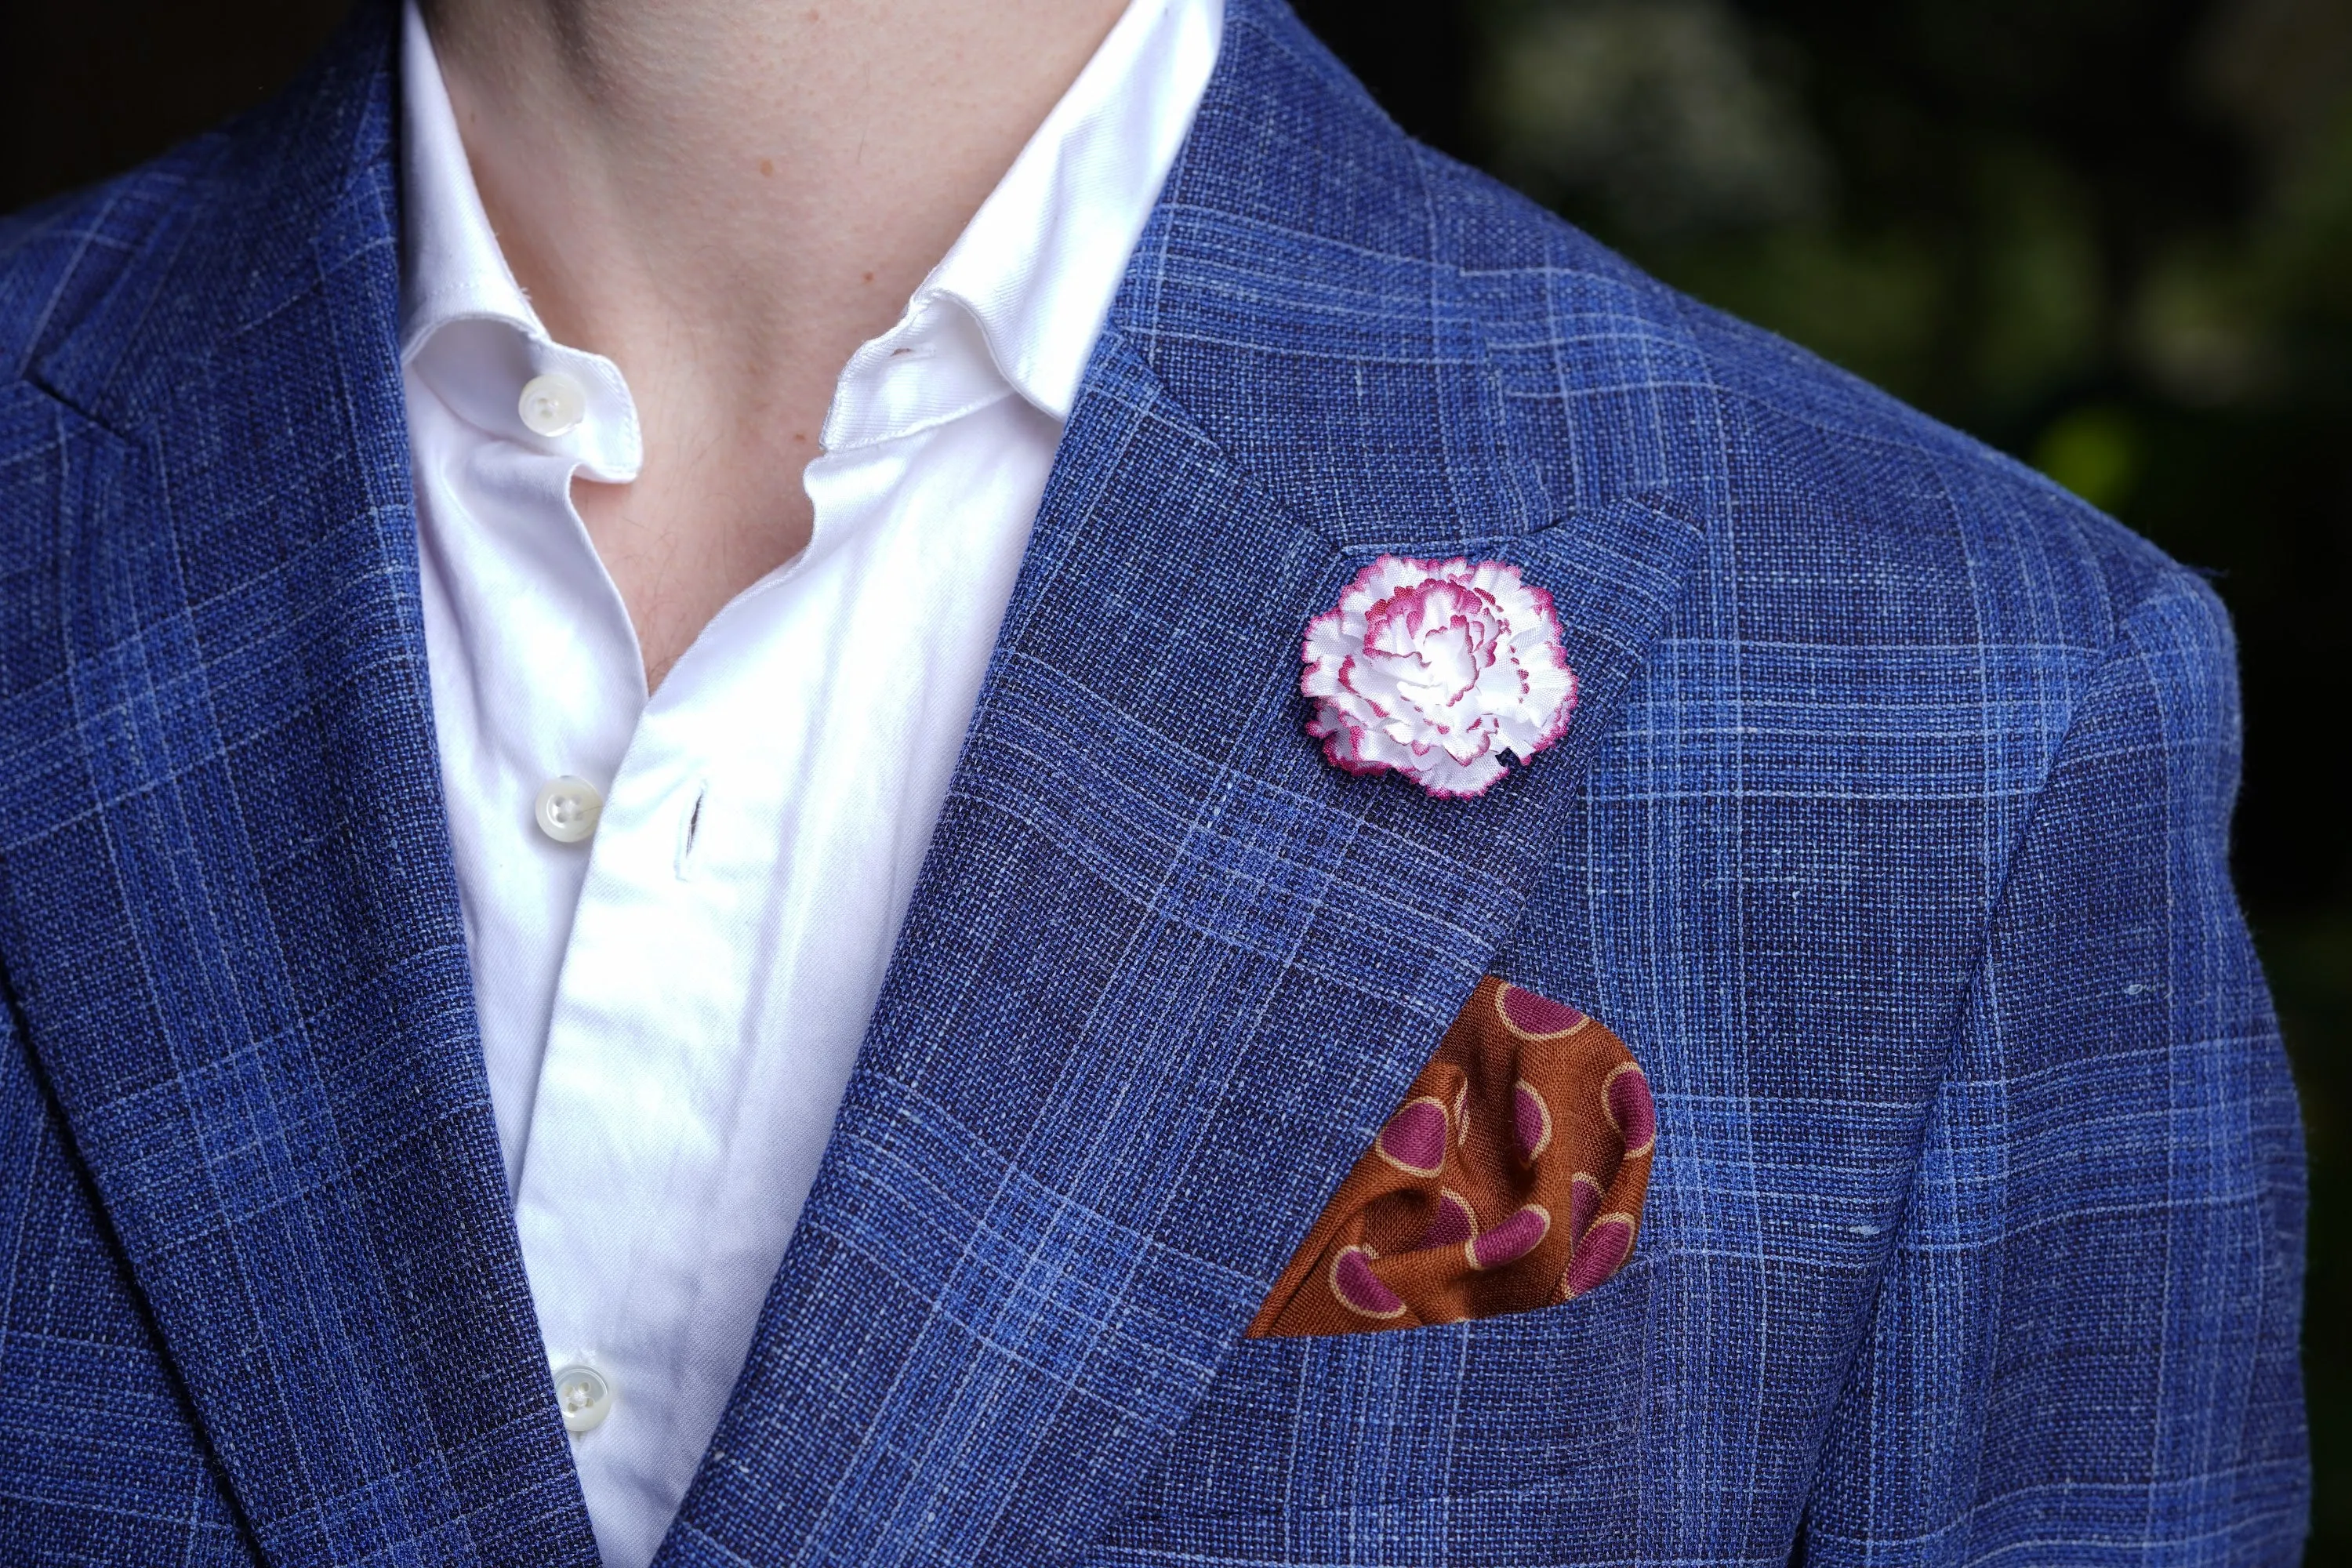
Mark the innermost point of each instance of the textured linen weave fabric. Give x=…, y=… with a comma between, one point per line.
x=1511, y=1178
x=1891, y=829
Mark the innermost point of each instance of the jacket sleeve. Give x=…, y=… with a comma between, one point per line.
x=2083, y=1348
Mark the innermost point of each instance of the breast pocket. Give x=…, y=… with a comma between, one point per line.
x=1513, y=1439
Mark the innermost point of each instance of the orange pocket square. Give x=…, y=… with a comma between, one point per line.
x=1512, y=1177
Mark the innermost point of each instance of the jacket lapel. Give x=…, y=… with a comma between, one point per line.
x=1166, y=971
x=227, y=915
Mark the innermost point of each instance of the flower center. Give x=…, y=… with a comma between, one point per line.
x=1438, y=638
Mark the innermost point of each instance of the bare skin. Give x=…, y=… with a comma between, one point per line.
x=726, y=197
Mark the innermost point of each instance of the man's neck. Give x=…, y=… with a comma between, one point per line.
x=726, y=197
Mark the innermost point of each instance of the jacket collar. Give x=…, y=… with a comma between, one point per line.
x=1165, y=970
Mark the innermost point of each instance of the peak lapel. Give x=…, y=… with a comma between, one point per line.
x=1166, y=970
x=227, y=916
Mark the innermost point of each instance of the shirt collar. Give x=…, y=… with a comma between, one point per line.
x=1039, y=263
x=453, y=269
x=1036, y=269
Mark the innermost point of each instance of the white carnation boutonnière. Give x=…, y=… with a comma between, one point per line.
x=1437, y=669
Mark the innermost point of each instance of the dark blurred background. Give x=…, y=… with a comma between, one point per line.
x=2112, y=236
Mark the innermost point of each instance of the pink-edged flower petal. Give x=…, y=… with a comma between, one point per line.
x=1438, y=671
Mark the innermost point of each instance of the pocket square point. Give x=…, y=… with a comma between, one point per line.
x=1530, y=1110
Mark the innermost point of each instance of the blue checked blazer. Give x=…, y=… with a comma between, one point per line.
x=1891, y=833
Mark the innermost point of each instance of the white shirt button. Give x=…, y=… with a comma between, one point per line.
x=567, y=809
x=584, y=1396
x=551, y=405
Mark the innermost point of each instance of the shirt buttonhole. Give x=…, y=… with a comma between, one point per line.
x=689, y=829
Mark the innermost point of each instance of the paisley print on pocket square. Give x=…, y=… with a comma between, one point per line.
x=1511, y=1177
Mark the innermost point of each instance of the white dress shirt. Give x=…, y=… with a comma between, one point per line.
x=679, y=909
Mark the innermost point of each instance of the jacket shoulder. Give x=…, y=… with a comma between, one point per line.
x=107, y=292
x=63, y=260
x=1807, y=463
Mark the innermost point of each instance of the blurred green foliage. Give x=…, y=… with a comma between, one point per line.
x=2111, y=237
